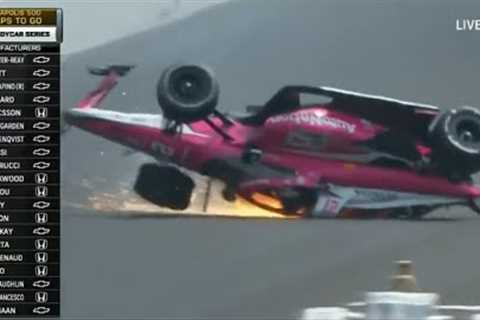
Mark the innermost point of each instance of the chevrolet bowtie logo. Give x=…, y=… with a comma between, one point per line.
x=41, y=284
x=41, y=125
x=41, y=152
x=41, y=59
x=41, y=99
x=41, y=310
x=41, y=139
x=41, y=86
x=41, y=205
x=41, y=73
x=41, y=165
x=41, y=231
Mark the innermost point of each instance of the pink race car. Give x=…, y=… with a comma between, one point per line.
x=309, y=151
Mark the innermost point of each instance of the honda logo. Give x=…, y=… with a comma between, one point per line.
x=41, y=178
x=41, y=217
x=41, y=244
x=41, y=297
x=41, y=257
x=41, y=191
x=41, y=112
x=41, y=271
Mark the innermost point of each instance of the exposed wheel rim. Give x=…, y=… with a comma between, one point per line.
x=465, y=132
x=190, y=84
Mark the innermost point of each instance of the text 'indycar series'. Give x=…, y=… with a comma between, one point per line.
x=347, y=153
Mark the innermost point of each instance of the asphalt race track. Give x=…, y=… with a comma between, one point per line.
x=178, y=267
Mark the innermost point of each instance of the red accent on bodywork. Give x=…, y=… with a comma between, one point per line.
x=189, y=150
x=362, y=175
x=424, y=151
x=194, y=150
x=334, y=132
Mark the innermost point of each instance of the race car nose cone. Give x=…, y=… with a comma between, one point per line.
x=77, y=118
x=404, y=279
x=68, y=118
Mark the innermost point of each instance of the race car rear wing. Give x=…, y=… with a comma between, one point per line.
x=110, y=78
x=120, y=70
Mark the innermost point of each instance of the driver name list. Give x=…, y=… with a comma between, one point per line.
x=29, y=162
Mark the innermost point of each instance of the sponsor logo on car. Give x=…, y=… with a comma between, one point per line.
x=314, y=119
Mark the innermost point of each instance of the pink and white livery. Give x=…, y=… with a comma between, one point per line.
x=340, y=154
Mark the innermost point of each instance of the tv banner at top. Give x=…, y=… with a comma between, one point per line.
x=31, y=25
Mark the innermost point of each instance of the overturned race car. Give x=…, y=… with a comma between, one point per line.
x=309, y=151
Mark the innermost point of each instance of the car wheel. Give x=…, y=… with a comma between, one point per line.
x=455, y=136
x=164, y=186
x=187, y=93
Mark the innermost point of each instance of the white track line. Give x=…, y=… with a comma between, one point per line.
x=357, y=304
x=459, y=308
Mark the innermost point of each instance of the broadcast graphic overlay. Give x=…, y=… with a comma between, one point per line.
x=29, y=162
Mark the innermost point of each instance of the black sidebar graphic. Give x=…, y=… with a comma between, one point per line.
x=29, y=162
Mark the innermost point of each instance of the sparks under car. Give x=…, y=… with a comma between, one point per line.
x=344, y=152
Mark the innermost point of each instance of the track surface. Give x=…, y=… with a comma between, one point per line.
x=219, y=268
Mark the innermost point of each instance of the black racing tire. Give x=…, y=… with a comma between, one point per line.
x=229, y=194
x=187, y=93
x=301, y=205
x=164, y=186
x=455, y=137
x=458, y=131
